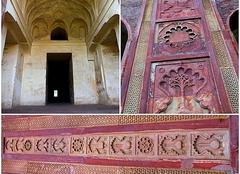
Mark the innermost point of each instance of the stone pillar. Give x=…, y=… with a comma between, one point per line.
x=4, y=35
x=100, y=77
x=116, y=28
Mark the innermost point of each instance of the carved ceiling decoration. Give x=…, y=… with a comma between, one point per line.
x=179, y=37
x=182, y=88
x=155, y=145
x=75, y=16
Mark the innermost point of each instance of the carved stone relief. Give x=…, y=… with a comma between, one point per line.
x=178, y=38
x=182, y=87
x=177, y=8
x=155, y=145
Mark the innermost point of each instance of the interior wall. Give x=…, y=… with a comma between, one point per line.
x=111, y=71
x=34, y=72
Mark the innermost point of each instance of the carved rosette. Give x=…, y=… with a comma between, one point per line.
x=77, y=145
x=179, y=38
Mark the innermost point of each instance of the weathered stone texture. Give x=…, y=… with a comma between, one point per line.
x=130, y=11
x=226, y=7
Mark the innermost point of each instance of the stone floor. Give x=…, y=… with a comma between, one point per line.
x=64, y=108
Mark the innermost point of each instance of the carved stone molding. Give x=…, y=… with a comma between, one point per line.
x=65, y=168
x=70, y=121
x=182, y=87
x=154, y=145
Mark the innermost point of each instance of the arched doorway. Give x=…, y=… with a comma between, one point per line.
x=233, y=23
x=124, y=38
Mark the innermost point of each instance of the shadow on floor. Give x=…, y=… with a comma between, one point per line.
x=64, y=109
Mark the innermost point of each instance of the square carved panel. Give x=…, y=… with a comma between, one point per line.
x=179, y=37
x=171, y=9
x=182, y=87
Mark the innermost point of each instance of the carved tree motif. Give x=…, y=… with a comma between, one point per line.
x=97, y=145
x=121, y=145
x=145, y=145
x=179, y=80
x=172, y=145
x=208, y=145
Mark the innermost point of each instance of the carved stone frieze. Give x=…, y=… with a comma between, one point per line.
x=179, y=37
x=154, y=145
x=182, y=87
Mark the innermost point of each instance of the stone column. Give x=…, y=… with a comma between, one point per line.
x=100, y=77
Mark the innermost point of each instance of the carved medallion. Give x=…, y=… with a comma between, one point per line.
x=178, y=38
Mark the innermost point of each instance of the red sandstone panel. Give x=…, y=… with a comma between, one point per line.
x=179, y=37
x=182, y=87
x=171, y=9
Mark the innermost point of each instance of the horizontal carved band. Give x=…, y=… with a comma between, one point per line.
x=64, y=168
x=152, y=145
x=68, y=121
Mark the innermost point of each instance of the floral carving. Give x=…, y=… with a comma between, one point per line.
x=122, y=145
x=208, y=144
x=145, y=145
x=180, y=80
x=173, y=145
x=77, y=145
x=43, y=145
x=97, y=145
x=178, y=38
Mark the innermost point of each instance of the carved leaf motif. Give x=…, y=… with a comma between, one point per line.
x=172, y=145
x=122, y=145
x=59, y=145
x=43, y=145
x=98, y=145
x=208, y=145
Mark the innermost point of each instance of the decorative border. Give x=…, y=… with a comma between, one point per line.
x=148, y=145
x=65, y=168
x=13, y=123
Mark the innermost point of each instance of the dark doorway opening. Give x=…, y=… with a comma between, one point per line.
x=124, y=37
x=59, y=78
x=59, y=34
x=233, y=22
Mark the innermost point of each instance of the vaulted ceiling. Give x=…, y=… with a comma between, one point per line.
x=74, y=16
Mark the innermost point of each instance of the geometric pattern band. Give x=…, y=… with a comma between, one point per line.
x=26, y=167
x=202, y=144
x=77, y=121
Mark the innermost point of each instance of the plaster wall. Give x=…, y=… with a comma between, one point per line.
x=9, y=67
x=111, y=72
x=34, y=72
